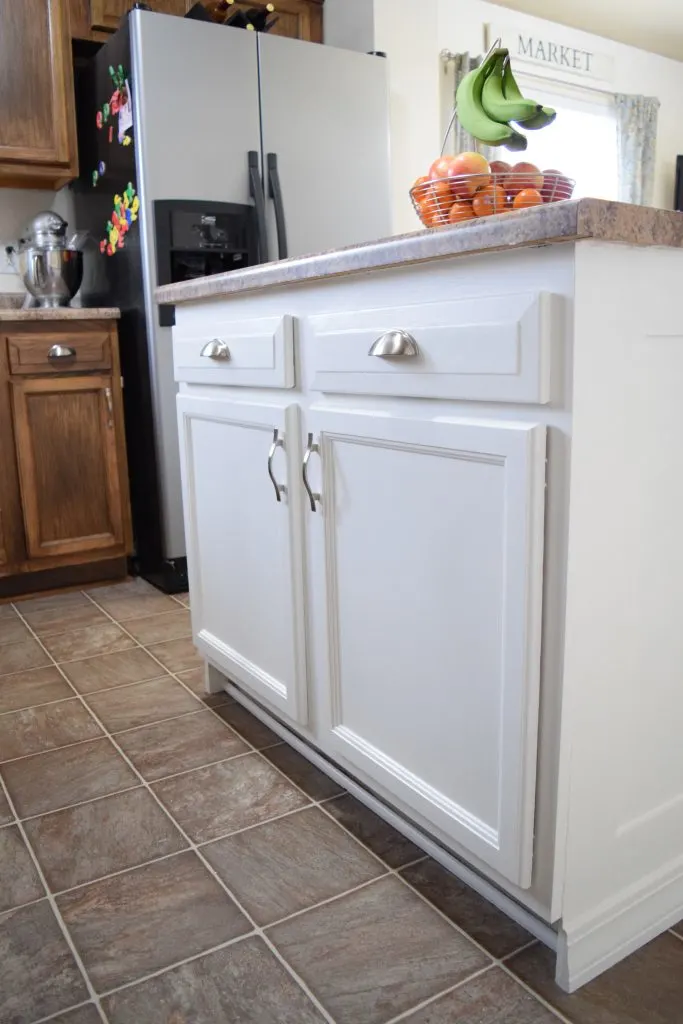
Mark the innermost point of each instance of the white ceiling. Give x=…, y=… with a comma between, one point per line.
x=655, y=25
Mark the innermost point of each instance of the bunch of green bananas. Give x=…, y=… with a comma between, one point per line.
x=488, y=99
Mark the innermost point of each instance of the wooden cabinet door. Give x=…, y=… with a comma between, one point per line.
x=244, y=546
x=105, y=15
x=426, y=552
x=297, y=19
x=68, y=433
x=37, y=121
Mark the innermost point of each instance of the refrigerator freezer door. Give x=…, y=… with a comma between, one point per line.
x=325, y=117
x=196, y=111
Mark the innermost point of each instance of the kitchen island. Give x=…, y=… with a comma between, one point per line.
x=433, y=515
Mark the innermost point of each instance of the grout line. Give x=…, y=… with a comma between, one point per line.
x=537, y=995
x=50, y=897
x=197, y=848
x=30, y=707
x=81, y=803
x=405, y=1014
x=61, y=1013
x=676, y=935
x=50, y=750
x=323, y=903
x=177, y=963
x=299, y=981
x=115, y=874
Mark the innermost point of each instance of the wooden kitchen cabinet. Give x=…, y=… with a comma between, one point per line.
x=296, y=19
x=63, y=475
x=105, y=15
x=37, y=116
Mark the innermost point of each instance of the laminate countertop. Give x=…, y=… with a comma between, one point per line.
x=10, y=309
x=556, y=222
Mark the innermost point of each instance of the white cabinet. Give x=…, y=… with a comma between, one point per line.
x=245, y=551
x=426, y=551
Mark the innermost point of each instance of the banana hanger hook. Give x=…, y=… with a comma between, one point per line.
x=494, y=46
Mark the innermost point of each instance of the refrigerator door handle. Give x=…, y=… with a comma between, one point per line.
x=256, y=192
x=275, y=193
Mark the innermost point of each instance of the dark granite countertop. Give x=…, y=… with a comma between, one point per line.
x=558, y=222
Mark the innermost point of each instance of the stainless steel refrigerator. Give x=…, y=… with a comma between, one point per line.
x=205, y=148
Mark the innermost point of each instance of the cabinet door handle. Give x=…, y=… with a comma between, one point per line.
x=62, y=352
x=395, y=344
x=215, y=349
x=278, y=442
x=110, y=407
x=313, y=496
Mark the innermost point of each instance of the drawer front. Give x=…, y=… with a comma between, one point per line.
x=246, y=353
x=491, y=348
x=59, y=352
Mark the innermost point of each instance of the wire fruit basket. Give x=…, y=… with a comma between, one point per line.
x=463, y=197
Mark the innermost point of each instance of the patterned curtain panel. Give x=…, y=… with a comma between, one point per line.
x=460, y=140
x=636, y=143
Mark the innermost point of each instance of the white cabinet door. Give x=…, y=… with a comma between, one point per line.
x=244, y=547
x=427, y=550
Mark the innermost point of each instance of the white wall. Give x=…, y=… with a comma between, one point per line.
x=413, y=34
x=17, y=207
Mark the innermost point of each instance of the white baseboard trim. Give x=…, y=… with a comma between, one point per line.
x=542, y=931
x=615, y=931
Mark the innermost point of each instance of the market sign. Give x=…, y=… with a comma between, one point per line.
x=553, y=53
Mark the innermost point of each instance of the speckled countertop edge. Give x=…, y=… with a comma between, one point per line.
x=11, y=303
x=559, y=222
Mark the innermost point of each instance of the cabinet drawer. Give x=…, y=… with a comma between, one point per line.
x=58, y=352
x=493, y=348
x=245, y=353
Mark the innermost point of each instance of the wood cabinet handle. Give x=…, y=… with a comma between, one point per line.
x=110, y=407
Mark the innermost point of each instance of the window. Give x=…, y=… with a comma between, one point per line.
x=581, y=142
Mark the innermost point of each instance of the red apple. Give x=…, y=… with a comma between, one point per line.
x=556, y=186
x=469, y=172
x=524, y=175
x=441, y=168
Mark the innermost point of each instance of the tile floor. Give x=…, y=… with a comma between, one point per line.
x=165, y=859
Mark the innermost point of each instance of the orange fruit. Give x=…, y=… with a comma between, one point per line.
x=489, y=200
x=460, y=211
x=527, y=197
x=437, y=198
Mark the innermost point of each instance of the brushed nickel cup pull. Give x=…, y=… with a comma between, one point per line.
x=395, y=344
x=313, y=496
x=62, y=352
x=215, y=349
x=278, y=442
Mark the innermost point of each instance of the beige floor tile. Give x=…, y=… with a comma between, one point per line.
x=177, y=655
x=83, y=1015
x=495, y=931
x=384, y=841
x=34, y=730
x=37, y=686
x=491, y=998
x=5, y=810
x=210, y=802
x=375, y=953
x=12, y=629
x=243, y=983
x=60, y=613
x=146, y=919
x=132, y=587
x=645, y=988
x=132, y=608
x=66, y=776
x=19, y=880
x=39, y=974
x=152, y=629
x=171, y=747
x=108, y=670
x=19, y=657
x=141, y=703
x=87, y=642
x=96, y=839
x=291, y=864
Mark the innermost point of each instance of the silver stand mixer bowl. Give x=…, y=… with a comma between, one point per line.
x=51, y=275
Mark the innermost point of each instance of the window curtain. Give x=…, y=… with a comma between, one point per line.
x=636, y=143
x=460, y=140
